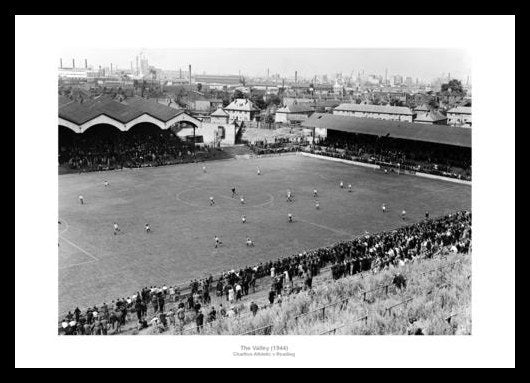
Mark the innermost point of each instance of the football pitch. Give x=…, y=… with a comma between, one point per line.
x=96, y=266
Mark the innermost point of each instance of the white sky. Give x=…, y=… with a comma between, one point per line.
x=425, y=64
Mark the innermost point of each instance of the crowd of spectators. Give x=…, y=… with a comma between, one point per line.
x=438, y=159
x=284, y=146
x=373, y=252
x=100, y=150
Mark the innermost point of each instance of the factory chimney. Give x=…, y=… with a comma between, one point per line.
x=137, y=70
x=73, y=63
x=295, y=76
x=111, y=68
x=189, y=68
x=180, y=73
x=86, y=64
x=61, y=63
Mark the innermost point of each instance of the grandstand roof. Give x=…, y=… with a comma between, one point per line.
x=124, y=111
x=441, y=134
x=387, y=109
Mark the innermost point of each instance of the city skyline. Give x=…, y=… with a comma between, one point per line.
x=424, y=64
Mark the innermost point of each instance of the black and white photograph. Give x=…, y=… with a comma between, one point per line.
x=258, y=199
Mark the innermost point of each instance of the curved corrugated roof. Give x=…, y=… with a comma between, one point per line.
x=441, y=134
x=124, y=111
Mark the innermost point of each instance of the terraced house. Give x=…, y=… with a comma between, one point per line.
x=459, y=116
x=381, y=112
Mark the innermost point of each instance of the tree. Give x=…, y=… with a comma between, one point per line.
x=274, y=99
x=238, y=94
x=433, y=103
x=453, y=86
x=259, y=102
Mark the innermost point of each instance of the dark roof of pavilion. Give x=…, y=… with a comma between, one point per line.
x=440, y=134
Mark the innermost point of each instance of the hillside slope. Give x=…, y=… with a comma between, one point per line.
x=435, y=301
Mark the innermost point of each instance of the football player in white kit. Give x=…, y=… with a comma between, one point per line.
x=259, y=171
x=315, y=193
x=243, y=219
x=81, y=199
x=349, y=188
x=242, y=200
x=403, y=214
x=212, y=202
x=147, y=228
x=341, y=185
x=249, y=242
x=383, y=208
x=116, y=228
x=217, y=241
x=106, y=183
x=317, y=205
x=290, y=216
x=204, y=169
x=289, y=196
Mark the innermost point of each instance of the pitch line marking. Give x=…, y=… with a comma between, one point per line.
x=325, y=227
x=80, y=249
x=66, y=229
x=77, y=264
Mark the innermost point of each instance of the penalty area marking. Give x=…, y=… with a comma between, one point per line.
x=93, y=258
x=337, y=231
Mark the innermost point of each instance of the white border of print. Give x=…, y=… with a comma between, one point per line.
x=490, y=41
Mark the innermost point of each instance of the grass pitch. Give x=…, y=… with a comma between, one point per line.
x=96, y=266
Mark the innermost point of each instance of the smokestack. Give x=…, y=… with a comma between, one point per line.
x=267, y=73
x=189, y=68
x=61, y=63
x=73, y=63
x=137, y=70
x=86, y=64
x=180, y=73
x=295, y=76
x=110, y=67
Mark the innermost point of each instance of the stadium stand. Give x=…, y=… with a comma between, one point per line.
x=437, y=149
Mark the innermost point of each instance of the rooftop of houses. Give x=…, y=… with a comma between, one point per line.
x=385, y=109
x=219, y=113
x=242, y=104
x=460, y=110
